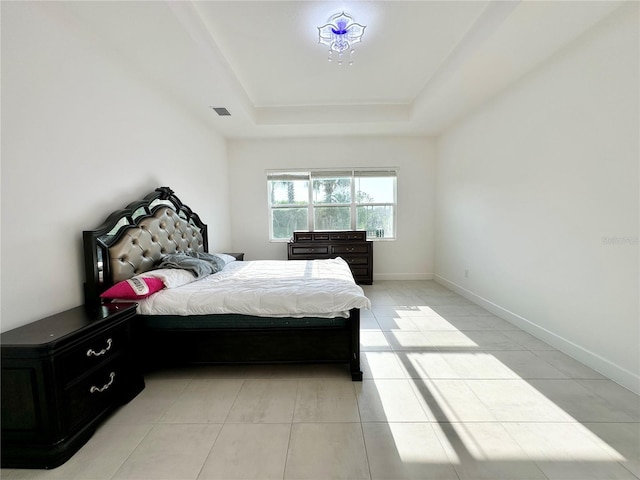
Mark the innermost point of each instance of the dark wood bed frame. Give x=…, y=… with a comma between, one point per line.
x=336, y=342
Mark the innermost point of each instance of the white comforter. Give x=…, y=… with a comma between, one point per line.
x=295, y=288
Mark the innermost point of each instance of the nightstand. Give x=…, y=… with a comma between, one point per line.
x=239, y=256
x=60, y=377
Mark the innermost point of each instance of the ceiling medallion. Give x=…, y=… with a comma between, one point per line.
x=340, y=35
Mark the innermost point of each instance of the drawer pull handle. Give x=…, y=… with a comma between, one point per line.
x=101, y=352
x=95, y=389
x=350, y=249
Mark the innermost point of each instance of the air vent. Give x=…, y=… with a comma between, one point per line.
x=223, y=112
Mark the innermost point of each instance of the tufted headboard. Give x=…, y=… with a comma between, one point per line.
x=133, y=239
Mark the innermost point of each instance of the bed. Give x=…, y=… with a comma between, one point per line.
x=245, y=312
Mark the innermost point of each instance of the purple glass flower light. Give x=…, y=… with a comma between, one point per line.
x=340, y=35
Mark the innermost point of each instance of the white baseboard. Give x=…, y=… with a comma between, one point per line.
x=600, y=364
x=402, y=276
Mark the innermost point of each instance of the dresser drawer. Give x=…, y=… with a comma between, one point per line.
x=356, y=260
x=96, y=392
x=315, y=250
x=93, y=352
x=302, y=237
x=360, y=272
x=360, y=236
x=350, y=248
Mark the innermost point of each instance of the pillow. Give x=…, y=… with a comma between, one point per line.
x=216, y=262
x=225, y=258
x=199, y=267
x=134, y=288
x=172, y=277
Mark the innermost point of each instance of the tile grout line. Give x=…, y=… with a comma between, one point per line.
x=293, y=413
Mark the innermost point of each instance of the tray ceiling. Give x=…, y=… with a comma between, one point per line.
x=421, y=65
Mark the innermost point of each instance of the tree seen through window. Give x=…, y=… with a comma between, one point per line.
x=317, y=200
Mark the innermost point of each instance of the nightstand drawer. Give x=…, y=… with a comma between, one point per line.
x=93, y=352
x=350, y=248
x=95, y=393
x=317, y=250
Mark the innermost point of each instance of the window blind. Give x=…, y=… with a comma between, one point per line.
x=375, y=173
x=287, y=176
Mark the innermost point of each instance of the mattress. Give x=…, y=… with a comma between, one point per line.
x=265, y=288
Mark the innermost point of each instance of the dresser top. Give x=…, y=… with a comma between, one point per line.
x=331, y=236
x=65, y=325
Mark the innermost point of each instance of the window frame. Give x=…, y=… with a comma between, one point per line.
x=353, y=173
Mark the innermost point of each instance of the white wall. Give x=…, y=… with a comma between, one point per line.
x=409, y=257
x=537, y=196
x=83, y=134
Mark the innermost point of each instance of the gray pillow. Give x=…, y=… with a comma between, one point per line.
x=216, y=262
x=199, y=267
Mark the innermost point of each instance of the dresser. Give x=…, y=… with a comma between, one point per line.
x=352, y=246
x=60, y=377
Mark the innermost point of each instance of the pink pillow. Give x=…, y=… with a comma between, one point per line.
x=134, y=288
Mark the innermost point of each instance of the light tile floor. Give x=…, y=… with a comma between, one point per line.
x=449, y=392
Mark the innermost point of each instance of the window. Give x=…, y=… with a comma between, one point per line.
x=288, y=203
x=332, y=200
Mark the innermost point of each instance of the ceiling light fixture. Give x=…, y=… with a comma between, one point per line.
x=340, y=34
